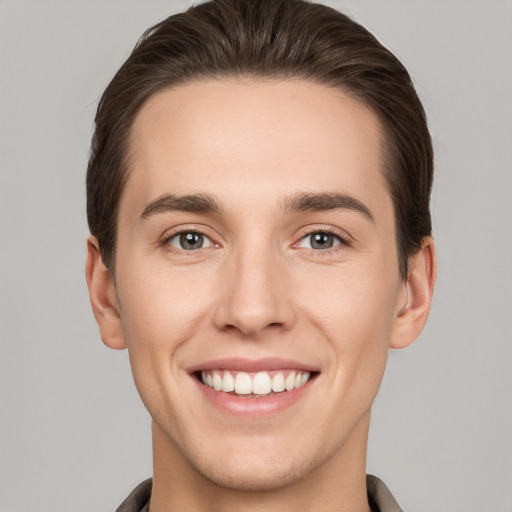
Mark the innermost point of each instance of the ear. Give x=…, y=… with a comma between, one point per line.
x=102, y=293
x=417, y=296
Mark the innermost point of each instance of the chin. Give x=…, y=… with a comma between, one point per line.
x=254, y=463
x=246, y=476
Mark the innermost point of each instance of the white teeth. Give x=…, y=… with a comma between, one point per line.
x=217, y=381
x=278, y=383
x=228, y=382
x=260, y=383
x=243, y=384
x=289, y=383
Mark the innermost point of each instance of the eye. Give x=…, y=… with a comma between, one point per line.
x=320, y=240
x=189, y=241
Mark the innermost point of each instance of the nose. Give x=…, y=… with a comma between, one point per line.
x=256, y=294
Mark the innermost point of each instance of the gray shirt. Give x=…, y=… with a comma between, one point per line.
x=379, y=497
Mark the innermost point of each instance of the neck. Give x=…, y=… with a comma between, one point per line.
x=338, y=484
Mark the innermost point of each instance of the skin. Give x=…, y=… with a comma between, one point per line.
x=258, y=289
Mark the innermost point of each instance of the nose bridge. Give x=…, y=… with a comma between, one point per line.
x=255, y=295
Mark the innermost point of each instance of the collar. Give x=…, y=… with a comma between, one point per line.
x=379, y=497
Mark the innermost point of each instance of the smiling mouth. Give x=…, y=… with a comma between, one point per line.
x=254, y=384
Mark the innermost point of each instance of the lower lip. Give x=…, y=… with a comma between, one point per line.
x=248, y=406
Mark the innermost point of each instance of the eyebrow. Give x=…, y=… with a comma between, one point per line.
x=302, y=202
x=197, y=203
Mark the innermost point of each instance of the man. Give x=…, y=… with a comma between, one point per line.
x=258, y=198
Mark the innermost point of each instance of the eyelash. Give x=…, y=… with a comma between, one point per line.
x=344, y=241
x=165, y=242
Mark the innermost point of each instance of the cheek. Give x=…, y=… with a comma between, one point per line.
x=351, y=301
x=160, y=311
x=355, y=313
x=160, y=308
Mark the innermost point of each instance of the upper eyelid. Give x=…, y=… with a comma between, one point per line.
x=187, y=231
x=172, y=232
x=340, y=233
x=164, y=242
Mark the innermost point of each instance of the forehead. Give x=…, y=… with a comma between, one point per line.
x=275, y=137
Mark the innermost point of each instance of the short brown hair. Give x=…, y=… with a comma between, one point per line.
x=270, y=39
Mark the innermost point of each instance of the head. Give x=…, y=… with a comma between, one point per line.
x=266, y=39
x=258, y=198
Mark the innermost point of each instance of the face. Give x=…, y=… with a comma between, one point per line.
x=257, y=276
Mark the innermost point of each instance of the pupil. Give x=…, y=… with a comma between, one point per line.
x=191, y=241
x=321, y=241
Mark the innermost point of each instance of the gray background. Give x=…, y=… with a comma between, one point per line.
x=73, y=434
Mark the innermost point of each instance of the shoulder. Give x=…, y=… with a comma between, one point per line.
x=138, y=499
x=380, y=497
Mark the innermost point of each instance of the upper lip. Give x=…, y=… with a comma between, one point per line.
x=252, y=365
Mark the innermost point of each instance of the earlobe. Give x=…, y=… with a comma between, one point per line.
x=102, y=294
x=419, y=287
